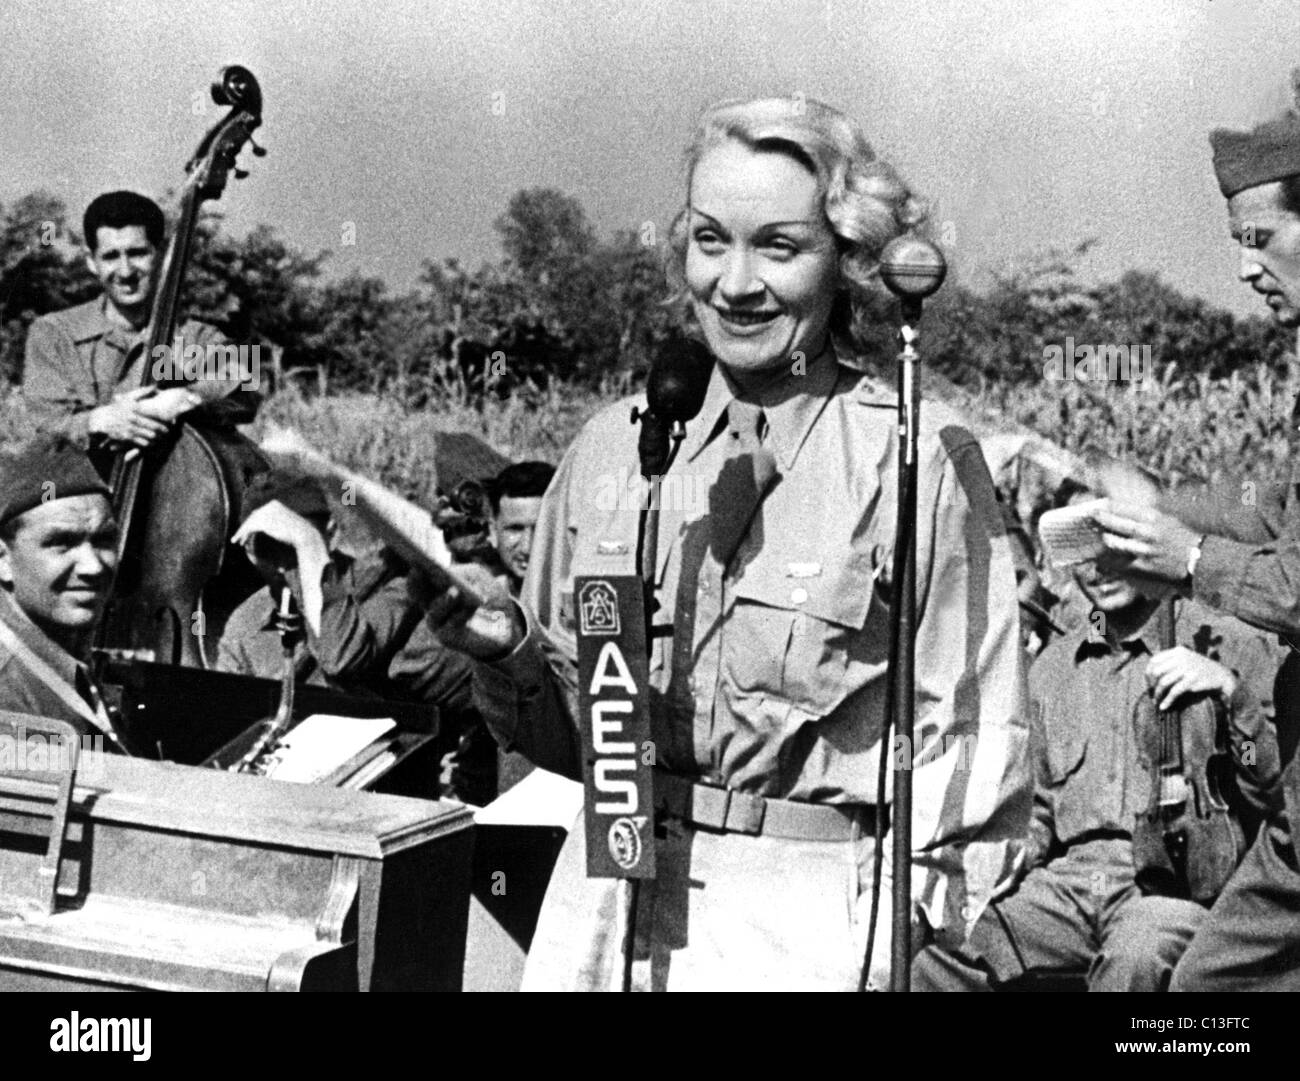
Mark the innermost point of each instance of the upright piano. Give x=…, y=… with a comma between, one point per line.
x=155, y=875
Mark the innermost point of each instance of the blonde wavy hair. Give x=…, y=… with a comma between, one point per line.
x=867, y=204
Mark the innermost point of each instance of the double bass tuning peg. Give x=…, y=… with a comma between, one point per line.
x=258, y=152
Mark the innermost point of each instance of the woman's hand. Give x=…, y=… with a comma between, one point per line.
x=488, y=632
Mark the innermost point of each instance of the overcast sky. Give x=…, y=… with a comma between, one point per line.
x=1028, y=123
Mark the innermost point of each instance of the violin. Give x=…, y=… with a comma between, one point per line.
x=1187, y=843
x=177, y=501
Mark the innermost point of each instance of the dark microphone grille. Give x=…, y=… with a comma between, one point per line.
x=679, y=379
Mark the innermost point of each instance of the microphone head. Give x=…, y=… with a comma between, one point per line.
x=912, y=268
x=678, y=379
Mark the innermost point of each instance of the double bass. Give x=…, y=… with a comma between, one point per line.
x=1187, y=842
x=177, y=502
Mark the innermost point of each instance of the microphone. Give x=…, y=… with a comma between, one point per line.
x=912, y=269
x=675, y=390
x=679, y=379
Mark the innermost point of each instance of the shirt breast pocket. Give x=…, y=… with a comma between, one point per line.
x=799, y=628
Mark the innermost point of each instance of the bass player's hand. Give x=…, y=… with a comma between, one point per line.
x=126, y=420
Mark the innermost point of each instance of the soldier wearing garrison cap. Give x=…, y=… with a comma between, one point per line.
x=1242, y=558
x=57, y=557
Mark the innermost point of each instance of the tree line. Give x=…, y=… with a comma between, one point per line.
x=559, y=302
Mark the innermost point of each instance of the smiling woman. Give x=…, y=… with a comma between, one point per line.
x=811, y=209
x=767, y=699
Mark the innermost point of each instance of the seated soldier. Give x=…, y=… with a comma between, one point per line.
x=368, y=638
x=57, y=557
x=515, y=495
x=355, y=611
x=1094, y=696
x=491, y=525
x=511, y=503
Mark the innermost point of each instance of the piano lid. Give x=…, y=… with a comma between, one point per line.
x=213, y=803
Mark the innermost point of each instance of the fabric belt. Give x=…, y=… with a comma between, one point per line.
x=730, y=811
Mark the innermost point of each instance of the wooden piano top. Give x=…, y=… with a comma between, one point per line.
x=212, y=803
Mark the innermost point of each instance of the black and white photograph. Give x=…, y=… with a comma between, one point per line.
x=681, y=496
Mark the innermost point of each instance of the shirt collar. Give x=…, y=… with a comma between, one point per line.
x=99, y=325
x=791, y=404
x=1145, y=639
x=40, y=643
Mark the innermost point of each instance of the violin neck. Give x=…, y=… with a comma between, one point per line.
x=1169, y=723
x=1165, y=615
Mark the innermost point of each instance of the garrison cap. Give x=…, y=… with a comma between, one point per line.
x=1247, y=159
x=41, y=470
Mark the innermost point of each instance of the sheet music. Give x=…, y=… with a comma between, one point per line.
x=322, y=743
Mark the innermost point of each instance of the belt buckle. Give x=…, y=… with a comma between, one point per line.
x=745, y=813
x=708, y=806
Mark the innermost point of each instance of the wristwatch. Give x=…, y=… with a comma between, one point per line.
x=1194, y=556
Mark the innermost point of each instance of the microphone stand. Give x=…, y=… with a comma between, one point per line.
x=288, y=621
x=647, y=552
x=911, y=269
